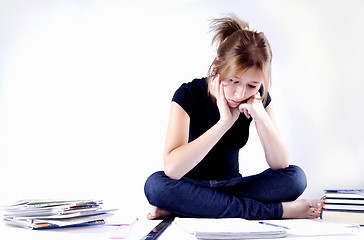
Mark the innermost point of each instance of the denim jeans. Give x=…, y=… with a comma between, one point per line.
x=254, y=197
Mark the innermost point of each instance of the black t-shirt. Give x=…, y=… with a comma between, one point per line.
x=222, y=162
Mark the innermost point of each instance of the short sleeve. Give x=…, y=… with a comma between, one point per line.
x=267, y=100
x=183, y=97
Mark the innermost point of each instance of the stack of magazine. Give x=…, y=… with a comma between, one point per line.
x=45, y=214
x=345, y=205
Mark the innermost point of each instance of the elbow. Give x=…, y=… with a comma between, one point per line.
x=282, y=162
x=172, y=174
x=279, y=166
x=285, y=161
x=171, y=171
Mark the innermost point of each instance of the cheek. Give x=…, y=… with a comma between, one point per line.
x=251, y=92
x=228, y=90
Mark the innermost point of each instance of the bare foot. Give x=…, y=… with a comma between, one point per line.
x=157, y=213
x=301, y=208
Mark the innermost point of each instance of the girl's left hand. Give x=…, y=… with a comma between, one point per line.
x=254, y=108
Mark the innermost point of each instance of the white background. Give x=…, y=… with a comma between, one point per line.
x=85, y=89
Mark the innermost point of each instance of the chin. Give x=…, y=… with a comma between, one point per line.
x=234, y=106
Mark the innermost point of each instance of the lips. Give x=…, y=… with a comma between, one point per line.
x=234, y=103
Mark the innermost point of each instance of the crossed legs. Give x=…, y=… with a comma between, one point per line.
x=268, y=195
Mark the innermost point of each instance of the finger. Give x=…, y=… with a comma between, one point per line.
x=246, y=113
x=216, y=78
x=221, y=92
x=243, y=109
x=214, y=86
x=217, y=82
x=257, y=96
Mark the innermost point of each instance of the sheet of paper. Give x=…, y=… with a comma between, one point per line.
x=228, y=228
x=306, y=227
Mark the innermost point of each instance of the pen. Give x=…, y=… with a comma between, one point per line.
x=274, y=225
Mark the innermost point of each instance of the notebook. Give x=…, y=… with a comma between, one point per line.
x=228, y=228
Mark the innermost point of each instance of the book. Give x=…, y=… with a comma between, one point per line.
x=344, y=201
x=348, y=194
x=345, y=190
x=229, y=228
x=45, y=214
x=345, y=205
x=356, y=217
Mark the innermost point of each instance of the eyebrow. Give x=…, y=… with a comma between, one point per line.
x=241, y=80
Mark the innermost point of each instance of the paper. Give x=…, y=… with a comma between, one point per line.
x=228, y=228
x=307, y=227
x=44, y=214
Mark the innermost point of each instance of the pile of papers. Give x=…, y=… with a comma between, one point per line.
x=45, y=214
x=229, y=228
x=237, y=228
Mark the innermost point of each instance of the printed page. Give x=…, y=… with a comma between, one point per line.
x=307, y=227
x=227, y=227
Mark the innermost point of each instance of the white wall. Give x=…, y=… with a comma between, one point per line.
x=85, y=88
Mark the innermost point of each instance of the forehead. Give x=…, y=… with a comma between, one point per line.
x=250, y=75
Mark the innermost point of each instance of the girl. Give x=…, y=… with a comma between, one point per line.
x=208, y=124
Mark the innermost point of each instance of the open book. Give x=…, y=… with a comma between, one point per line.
x=229, y=228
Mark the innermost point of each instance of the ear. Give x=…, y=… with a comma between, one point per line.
x=216, y=59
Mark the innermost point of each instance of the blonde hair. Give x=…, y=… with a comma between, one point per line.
x=238, y=49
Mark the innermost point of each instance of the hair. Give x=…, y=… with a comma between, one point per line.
x=238, y=49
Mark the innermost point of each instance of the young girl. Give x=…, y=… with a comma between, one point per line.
x=208, y=124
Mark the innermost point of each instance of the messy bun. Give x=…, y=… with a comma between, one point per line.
x=238, y=49
x=225, y=27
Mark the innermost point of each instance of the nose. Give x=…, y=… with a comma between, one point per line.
x=239, y=92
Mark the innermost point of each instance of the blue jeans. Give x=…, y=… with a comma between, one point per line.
x=254, y=197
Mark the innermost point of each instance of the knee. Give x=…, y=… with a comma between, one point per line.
x=154, y=188
x=296, y=180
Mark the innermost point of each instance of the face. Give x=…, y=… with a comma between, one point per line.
x=241, y=87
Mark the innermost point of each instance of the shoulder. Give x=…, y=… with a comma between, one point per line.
x=193, y=86
x=268, y=98
x=188, y=91
x=188, y=94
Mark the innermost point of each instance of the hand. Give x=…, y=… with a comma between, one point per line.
x=254, y=108
x=226, y=113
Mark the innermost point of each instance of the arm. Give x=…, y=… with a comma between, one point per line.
x=180, y=156
x=276, y=153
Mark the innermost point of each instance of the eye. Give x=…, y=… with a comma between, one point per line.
x=251, y=86
x=233, y=81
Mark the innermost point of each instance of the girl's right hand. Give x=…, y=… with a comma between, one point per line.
x=226, y=113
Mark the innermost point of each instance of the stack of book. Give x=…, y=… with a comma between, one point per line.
x=45, y=214
x=345, y=205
